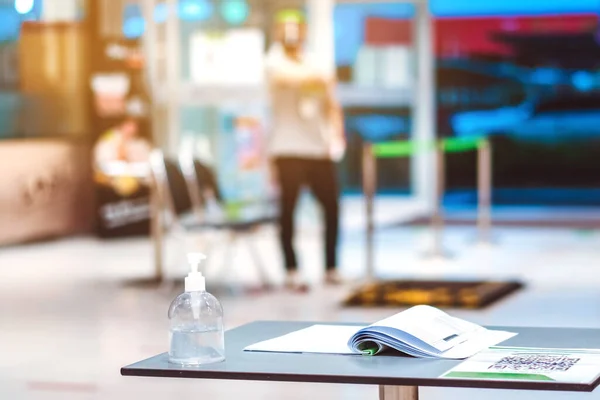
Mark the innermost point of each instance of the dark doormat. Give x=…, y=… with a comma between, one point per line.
x=454, y=294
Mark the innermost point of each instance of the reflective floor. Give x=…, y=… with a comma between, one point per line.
x=70, y=320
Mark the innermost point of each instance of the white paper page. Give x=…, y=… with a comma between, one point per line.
x=326, y=339
x=480, y=340
x=432, y=326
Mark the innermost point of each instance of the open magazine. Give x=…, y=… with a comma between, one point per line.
x=421, y=331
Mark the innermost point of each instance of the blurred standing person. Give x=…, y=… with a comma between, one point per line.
x=306, y=140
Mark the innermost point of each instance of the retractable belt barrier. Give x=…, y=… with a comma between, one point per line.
x=408, y=148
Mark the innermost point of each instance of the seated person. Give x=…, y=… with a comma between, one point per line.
x=117, y=152
x=122, y=143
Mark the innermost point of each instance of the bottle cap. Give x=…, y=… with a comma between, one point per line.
x=195, y=281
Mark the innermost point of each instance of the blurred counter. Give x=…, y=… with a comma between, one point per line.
x=46, y=190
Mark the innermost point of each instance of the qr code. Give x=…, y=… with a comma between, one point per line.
x=535, y=362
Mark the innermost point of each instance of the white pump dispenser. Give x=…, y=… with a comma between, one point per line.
x=195, y=281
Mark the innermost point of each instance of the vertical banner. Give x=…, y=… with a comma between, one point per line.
x=242, y=168
x=121, y=114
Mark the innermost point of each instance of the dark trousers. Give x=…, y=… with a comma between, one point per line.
x=321, y=178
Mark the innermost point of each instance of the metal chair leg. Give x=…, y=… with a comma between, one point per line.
x=228, y=262
x=157, y=235
x=258, y=262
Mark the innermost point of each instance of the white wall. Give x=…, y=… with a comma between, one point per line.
x=321, y=33
x=61, y=10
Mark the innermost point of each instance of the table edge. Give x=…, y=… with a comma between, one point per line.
x=332, y=379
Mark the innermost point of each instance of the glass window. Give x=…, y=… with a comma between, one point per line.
x=12, y=14
x=374, y=59
x=42, y=81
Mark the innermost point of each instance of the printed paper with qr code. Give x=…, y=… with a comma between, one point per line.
x=530, y=364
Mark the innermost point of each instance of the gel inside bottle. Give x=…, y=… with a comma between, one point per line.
x=196, y=322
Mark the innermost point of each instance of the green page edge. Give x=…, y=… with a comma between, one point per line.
x=498, y=375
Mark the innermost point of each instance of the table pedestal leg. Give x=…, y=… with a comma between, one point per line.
x=398, y=393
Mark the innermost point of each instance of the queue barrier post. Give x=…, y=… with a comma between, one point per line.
x=437, y=220
x=484, y=188
x=369, y=181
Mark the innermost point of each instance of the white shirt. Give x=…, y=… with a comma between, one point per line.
x=299, y=126
x=137, y=150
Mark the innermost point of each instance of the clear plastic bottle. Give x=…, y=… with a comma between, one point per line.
x=196, y=322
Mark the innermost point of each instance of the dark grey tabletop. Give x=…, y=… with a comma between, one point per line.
x=394, y=370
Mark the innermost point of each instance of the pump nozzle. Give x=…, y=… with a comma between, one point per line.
x=195, y=282
x=194, y=259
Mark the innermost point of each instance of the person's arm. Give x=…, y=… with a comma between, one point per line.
x=121, y=144
x=295, y=78
x=139, y=151
x=105, y=151
x=280, y=73
x=336, y=115
x=334, y=110
x=291, y=80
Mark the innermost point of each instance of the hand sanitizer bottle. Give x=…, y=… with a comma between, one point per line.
x=196, y=322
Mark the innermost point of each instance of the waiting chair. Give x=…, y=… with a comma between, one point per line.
x=189, y=215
